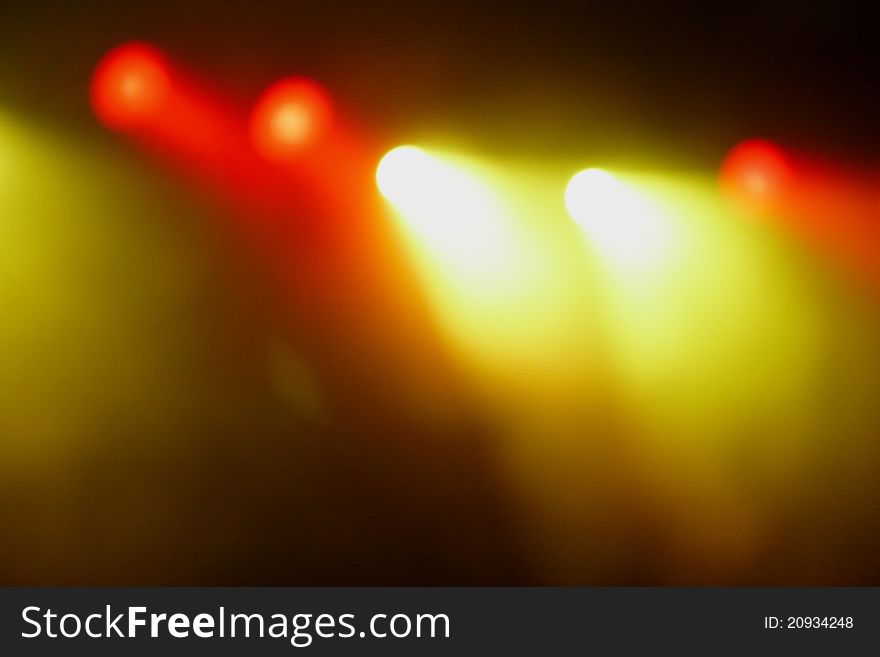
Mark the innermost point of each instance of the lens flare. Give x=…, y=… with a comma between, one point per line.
x=622, y=225
x=755, y=175
x=290, y=117
x=130, y=86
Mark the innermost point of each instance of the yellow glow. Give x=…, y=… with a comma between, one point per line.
x=483, y=267
x=81, y=229
x=5, y=147
x=618, y=221
x=679, y=367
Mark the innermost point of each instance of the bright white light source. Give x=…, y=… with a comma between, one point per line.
x=444, y=206
x=401, y=172
x=593, y=195
x=617, y=220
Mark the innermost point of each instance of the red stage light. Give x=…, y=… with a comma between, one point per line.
x=755, y=173
x=292, y=115
x=130, y=85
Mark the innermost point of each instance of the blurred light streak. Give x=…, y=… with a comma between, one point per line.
x=301, y=215
x=626, y=386
x=834, y=209
x=719, y=359
x=304, y=188
x=622, y=226
x=449, y=211
x=550, y=328
x=830, y=207
x=619, y=379
x=722, y=275
x=307, y=210
x=627, y=398
x=666, y=367
x=484, y=269
x=195, y=129
x=201, y=132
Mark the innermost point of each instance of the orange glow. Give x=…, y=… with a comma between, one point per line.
x=130, y=86
x=198, y=131
x=292, y=115
x=173, y=114
x=755, y=174
x=833, y=208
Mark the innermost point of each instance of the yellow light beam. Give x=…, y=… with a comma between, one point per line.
x=455, y=219
x=622, y=225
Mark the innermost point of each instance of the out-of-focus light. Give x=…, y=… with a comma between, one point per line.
x=131, y=84
x=292, y=115
x=593, y=196
x=401, y=174
x=623, y=226
x=481, y=259
x=3, y=146
x=445, y=207
x=755, y=174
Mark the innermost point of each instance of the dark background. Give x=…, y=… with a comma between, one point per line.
x=679, y=79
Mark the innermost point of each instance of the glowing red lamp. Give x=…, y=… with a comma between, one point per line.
x=756, y=174
x=130, y=86
x=289, y=118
